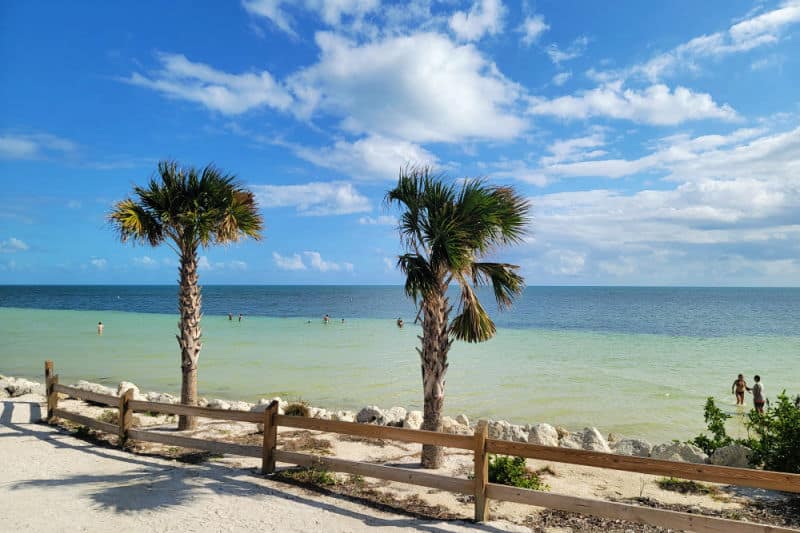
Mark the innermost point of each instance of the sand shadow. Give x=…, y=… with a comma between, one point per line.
x=154, y=484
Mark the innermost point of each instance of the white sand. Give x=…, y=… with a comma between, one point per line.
x=50, y=481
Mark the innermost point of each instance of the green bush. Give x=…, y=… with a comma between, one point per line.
x=297, y=409
x=776, y=444
x=511, y=471
x=715, y=422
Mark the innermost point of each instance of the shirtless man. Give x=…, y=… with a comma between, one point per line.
x=738, y=387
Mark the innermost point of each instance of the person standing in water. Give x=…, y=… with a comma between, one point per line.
x=758, y=394
x=738, y=387
x=99, y=328
x=399, y=322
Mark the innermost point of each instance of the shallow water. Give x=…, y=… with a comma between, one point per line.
x=636, y=384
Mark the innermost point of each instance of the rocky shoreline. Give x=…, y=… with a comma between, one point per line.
x=589, y=438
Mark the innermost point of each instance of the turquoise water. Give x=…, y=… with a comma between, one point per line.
x=636, y=384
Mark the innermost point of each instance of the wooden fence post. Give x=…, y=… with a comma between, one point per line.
x=481, y=472
x=48, y=378
x=125, y=415
x=270, y=439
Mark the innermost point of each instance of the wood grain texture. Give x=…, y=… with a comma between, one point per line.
x=196, y=444
x=86, y=421
x=189, y=410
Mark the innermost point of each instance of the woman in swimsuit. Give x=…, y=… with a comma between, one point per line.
x=739, y=386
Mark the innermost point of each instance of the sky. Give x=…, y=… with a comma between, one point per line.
x=658, y=142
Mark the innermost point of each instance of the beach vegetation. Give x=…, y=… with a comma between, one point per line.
x=447, y=230
x=507, y=470
x=715, y=422
x=297, y=409
x=188, y=209
x=311, y=476
x=685, y=486
x=775, y=436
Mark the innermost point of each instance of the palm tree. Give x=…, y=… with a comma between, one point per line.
x=188, y=209
x=446, y=231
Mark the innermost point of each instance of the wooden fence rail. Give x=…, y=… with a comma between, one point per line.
x=479, y=444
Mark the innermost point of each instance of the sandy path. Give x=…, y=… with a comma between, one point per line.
x=50, y=481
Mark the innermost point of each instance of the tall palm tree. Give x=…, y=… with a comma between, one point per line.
x=188, y=209
x=446, y=231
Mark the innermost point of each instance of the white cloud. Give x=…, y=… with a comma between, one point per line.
x=576, y=149
x=230, y=94
x=237, y=265
x=34, y=146
x=372, y=158
x=382, y=220
x=330, y=11
x=532, y=27
x=98, y=263
x=565, y=262
x=13, y=245
x=656, y=104
x=574, y=50
x=561, y=78
x=293, y=262
x=320, y=264
x=390, y=264
x=485, y=16
x=751, y=33
x=376, y=87
x=204, y=264
x=146, y=262
x=313, y=199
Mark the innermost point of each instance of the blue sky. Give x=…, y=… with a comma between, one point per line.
x=659, y=143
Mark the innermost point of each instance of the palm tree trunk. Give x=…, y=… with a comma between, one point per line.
x=433, y=355
x=189, y=306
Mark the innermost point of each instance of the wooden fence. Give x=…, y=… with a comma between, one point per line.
x=479, y=444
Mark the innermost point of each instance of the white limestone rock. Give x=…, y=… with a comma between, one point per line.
x=679, y=451
x=593, y=440
x=319, y=413
x=394, y=416
x=454, y=427
x=372, y=414
x=734, y=455
x=543, y=435
x=125, y=385
x=202, y=401
x=463, y=420
x=632, y=447
x=573, y=441
x=562, y=432
x=344, y=416
x=95, y=387
x=413, y=420
x=504, y=430
x=161, y=397
x=14, y=387
x=217, y=403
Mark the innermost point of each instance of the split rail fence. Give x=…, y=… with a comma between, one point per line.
x=479, y=444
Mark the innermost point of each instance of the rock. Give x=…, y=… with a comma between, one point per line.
x=240, y=406
x=321, y=414
x=679, y=451
x=413, y=420
x=594, y=441
x=14, y=387
x=371, y=414
x=503, y=430
x=216, y=403
x=463, y=420
x=454, y=427
x=573, y=441
x=634, y=447
x=125, y=385
x=263, y=403
x=394, y=416
x=543, y=435
x=614, y=437
x=161, y=397
x=95, y=387
x=344, y=416
x=734, y=455
x=202, y=401
x=562, y=432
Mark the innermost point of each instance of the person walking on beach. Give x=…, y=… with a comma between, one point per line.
x=758, y=394
x=739, y=386
x=99, y=328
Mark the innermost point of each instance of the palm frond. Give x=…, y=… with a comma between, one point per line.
x=420, y=280
x=505, y=281
x=133, y=222
x=473, y=323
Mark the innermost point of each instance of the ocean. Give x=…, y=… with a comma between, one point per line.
x=638, y=362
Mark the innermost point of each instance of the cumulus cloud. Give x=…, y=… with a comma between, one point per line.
x=313, y=260
x=34, y=146
x=485, y=16
x=561, y=78
x=371, y=158
x=657, y=104
x=330, y=12
x=293, y=262
x=532, y=28
x=98, y=262
x=576, y=49
x=375, y=88
x=145, y=262
x=313, y=199
x=230, y=94
x=13, y=245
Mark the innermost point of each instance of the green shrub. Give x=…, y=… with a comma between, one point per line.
x=297, y=409
x=715, y=422
x=511, y=471
x=776, y=444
